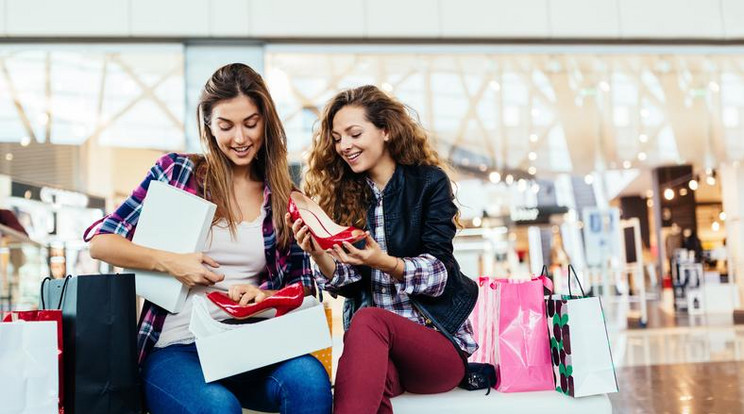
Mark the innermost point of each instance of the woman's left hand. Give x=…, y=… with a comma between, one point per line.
x=371, y=255
x=246, y=294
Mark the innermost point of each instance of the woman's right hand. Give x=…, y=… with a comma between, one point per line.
x=302, y=235
x=189, y=268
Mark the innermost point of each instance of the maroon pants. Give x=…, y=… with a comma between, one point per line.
x=385, y=355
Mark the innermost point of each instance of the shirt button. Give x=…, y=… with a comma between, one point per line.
x=383, y=290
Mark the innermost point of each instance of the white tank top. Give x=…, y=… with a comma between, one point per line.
x=241, y=261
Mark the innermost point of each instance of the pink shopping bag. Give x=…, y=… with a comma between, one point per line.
x=522, y=348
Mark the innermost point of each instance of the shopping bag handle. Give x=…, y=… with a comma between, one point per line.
x=578, y=282
x=86, y=234
x=61, y=297
x=547, y=283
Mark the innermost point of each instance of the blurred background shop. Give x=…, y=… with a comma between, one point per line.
x=608, y=135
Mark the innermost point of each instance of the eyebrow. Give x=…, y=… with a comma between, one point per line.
x=347, y=128
x=227, y=120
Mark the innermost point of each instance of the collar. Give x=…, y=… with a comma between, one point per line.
x=392, y=184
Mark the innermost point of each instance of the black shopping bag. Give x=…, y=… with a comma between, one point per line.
x=99, y=336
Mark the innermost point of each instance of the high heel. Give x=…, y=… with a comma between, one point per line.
x=324, y=230
x=284, y=300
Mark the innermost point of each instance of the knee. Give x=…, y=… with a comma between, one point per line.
x=373, y=319
x=304, y=380
x=217, y=400
x=302, y=373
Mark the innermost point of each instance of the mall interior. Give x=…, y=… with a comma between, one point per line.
x=605, y=135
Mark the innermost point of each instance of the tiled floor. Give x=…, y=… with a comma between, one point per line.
x=679, y=363
x=710, y=388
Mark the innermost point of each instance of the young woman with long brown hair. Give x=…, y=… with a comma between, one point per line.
x=373, y=167
x=251, y=253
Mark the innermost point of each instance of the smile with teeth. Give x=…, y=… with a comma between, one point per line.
x=354, y=156
x=241, y=149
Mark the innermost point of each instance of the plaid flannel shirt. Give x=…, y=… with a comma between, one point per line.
x=283, y=267
x=422, y=275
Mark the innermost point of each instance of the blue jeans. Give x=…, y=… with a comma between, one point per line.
x=174, y=383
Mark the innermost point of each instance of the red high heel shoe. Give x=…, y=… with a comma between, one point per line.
x=324, y=230
x=284, y=300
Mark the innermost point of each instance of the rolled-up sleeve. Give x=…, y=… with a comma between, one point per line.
x=423, y=275
x=344, y=274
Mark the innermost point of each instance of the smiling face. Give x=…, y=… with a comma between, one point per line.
x=238, y=129
x=359, y=142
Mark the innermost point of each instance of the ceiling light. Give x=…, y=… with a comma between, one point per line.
x=509, y=179
x=477, y=222
x=710, y=180
x=532, y=156
x=643, y=138
x=716, y=226
x=669, y=194
x=533, y=137
x=682, y=192
x=589, y=179
x=494, y=177
x=532, y=170
x=693, y=184
x=642, y=156
x=722, y=216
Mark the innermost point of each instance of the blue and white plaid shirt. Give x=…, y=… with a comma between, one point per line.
x=422, y=275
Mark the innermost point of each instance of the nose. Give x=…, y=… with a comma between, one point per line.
x=345, y=144
x=240, y=136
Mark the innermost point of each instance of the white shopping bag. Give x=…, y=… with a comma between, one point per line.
x=225, y=349
x=29, y=371
x=176, y=221
x=579, y=346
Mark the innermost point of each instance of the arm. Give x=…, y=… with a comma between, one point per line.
x=112, y=242
x=187, y=268
x=426, y=274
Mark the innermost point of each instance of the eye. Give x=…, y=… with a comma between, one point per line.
x=356, y=135
x=225, y=127
x=336, y=139
x=251, y=125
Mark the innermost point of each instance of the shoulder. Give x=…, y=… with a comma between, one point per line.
x=176, y=166
x=426, y=174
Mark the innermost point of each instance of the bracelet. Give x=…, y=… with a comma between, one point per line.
x=395, y=268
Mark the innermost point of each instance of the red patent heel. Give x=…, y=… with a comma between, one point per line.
x=284, y=300
x=324, y=230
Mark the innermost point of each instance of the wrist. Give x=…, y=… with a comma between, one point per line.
x=161, y=262
x=389, y=264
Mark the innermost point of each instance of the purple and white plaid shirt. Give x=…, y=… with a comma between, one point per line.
x=283, y=267
x=422, y=275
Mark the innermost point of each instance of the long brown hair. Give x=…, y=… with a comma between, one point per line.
x=341, y=192
x=214, y=171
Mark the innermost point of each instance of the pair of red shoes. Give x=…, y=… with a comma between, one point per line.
x=325, y=232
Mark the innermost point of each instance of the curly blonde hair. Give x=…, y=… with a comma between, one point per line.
x=341, y=192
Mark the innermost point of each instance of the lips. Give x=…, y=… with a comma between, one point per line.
x=353, y=157
x=241, y=151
